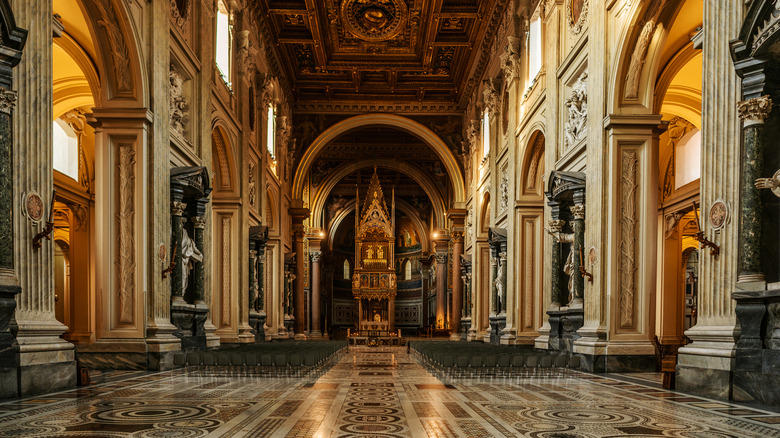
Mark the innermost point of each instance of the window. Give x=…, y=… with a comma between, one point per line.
x=271, y=131
x=687, y=159
x=485, y=134
x=534, y=49
x=346, y=270
x=408, y=270
x=65, y=149
x=223, y=42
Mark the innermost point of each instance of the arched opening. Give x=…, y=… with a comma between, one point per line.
x=678, y=97
x=530, y=240
x=76, y=90
x=223, y=311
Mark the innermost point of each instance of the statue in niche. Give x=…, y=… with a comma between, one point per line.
x=568, y=266
x=499, y=285
x=380, y=253
x=370, y=253
x=188, y=252
x=377, y=317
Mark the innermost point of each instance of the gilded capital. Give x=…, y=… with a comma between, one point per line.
x=441, y=258
x=755, y=111
x=199, y=222
x=177, y=208
x=556, y=225
x=578, y=211
x=316, y=256
x=7, y=101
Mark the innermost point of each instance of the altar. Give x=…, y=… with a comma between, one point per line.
x=374, y=279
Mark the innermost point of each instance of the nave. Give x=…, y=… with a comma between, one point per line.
x=380, y=392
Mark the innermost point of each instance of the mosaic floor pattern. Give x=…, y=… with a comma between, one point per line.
x=378, y=393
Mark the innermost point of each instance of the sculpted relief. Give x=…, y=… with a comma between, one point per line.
x=576, y=127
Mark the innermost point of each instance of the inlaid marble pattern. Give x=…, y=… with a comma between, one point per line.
x=378, y=393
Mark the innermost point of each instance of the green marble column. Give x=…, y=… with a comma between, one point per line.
x=556, y=264
x=198, y=267
x=7, y=100
x=503, y=279
x=252, y=279
x=752, y=112
x=260, y=303
x=177, y=209
x=578, y=224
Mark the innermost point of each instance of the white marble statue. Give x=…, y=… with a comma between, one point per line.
x=188, y=251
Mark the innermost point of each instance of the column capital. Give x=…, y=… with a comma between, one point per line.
x=177, y=208
x=578, y=211
x=316, y=256
x=252, y=254
x=755, y=111
x=441, y=258
x=556, y=225
x=7, y=100
x=199, y=222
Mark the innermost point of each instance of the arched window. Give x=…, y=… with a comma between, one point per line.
x=485, y=134
x=534, y=49
x=271, y=131
x=408, y=270
x=688, y=159
x=224, y=42
x=346, y=270
x=65, y=149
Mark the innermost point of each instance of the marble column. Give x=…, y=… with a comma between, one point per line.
x=753, y=112
x=298, y=215
x=177, y=293
x=494, y=306
x=556, y=265
x=441, y=285
x=704, y=366
x=457, y=286
x=252, y=279
x=316, y=329
x=578, y=225
x=391, y=314
x=46, y=362
x=198, y=270
x=503, y=279
x=12, y=44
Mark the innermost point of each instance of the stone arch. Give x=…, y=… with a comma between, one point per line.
x=532, y=166
x=644, y=34
x=402, y=123
x=224, y=164
x=319, y=198
x=119, y=62
x=269, y=210
x=73, y=92
x=484, y=215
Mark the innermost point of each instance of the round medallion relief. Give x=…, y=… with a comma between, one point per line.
x=33, y=206
x=719, y=214
x=374, y=20
x=576, y=14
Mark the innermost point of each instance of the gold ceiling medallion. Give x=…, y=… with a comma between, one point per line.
x=374, y=20
x=576, y=15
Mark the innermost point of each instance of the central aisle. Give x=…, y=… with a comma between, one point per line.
x=375, y=392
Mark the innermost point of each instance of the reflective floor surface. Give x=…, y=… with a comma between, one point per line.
x=379, y=393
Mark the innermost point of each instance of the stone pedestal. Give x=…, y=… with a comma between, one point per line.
x=564, y=324
x=257, y=322
x=189, y=320
x=497, y=324
x=465, y=327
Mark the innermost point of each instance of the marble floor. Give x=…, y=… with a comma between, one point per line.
x=378, y=393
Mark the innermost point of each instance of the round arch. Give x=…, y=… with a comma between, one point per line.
x=400, y=204
x=224, y=162
x=628, y=57
x=428, y=185
x=119, y=63
x=402, y=123
x=532, y=165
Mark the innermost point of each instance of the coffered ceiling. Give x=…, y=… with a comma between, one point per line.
x=381, y=55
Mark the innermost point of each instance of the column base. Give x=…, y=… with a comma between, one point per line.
x=497, y=323
x=257, y=322
x=45, y=366
x=465, y=325
x=564, y=324
x=600, y=356
x=542, y=341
